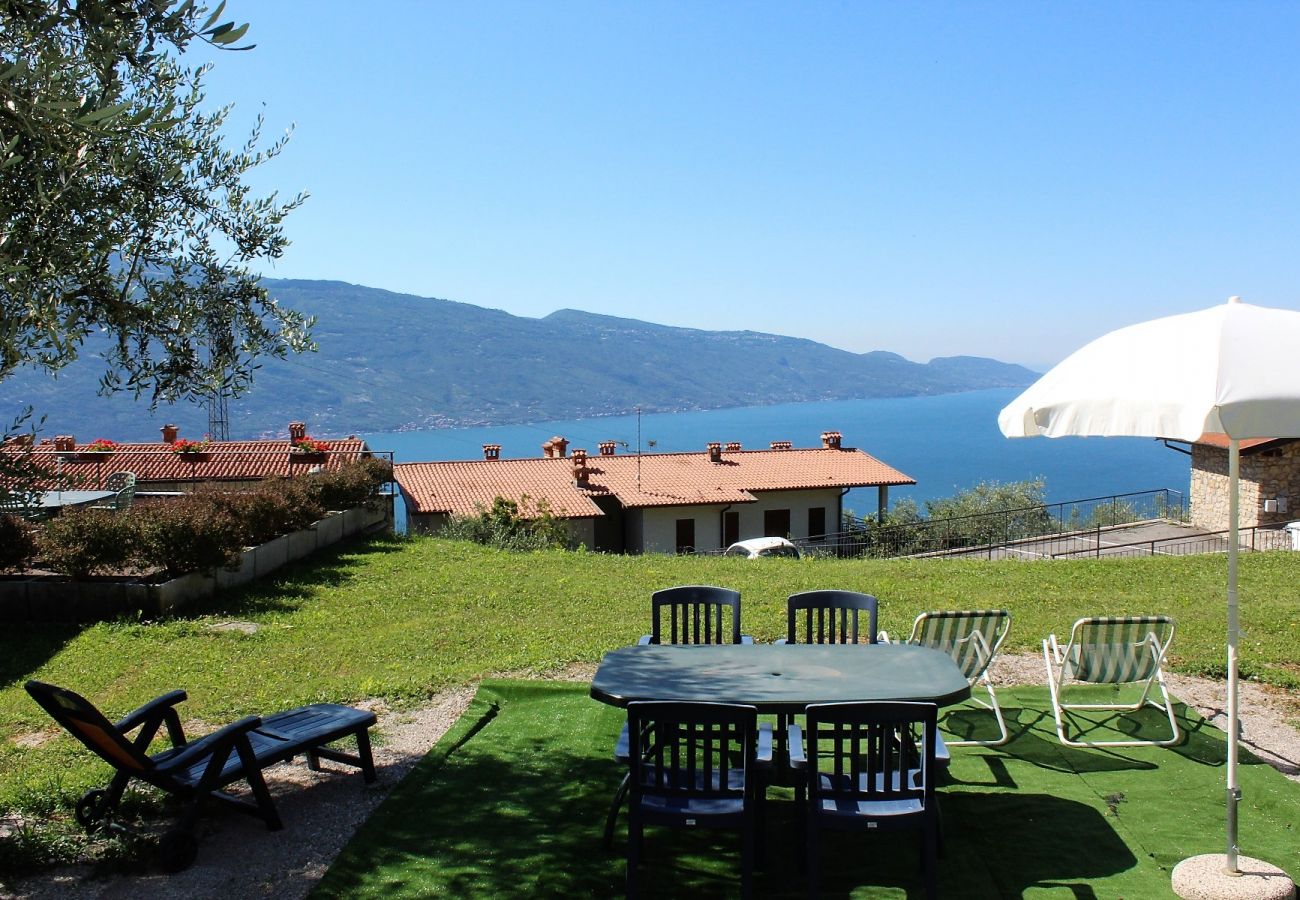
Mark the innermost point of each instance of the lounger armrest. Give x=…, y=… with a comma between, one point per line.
x=795, y=743
x=763, y=754
x=137, y=718
x=210, y=743
x=645, y=640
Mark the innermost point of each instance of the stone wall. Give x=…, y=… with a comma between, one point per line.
x=1271, y=474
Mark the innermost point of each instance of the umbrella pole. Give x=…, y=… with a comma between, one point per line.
x=1234, y=792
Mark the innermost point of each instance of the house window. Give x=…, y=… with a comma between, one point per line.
x=685, y=535
x=776, y=523
x=730, y=528
x=817, y=523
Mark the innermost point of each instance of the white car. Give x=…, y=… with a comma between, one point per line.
x=755, y=548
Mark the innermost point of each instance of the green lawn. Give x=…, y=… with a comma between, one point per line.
x=404, y=619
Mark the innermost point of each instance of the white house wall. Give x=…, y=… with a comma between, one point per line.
x=657, y=531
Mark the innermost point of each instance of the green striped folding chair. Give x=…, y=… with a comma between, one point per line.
x=972, y=638
x=1115, y=650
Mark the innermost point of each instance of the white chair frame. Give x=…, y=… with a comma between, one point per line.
x=961, y=651
x=1063, y=666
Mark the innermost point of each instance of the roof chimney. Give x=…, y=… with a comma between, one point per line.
x=491, y=451
x=732, y=447
x=64, y=443
x=555, y=447
x=831, y=440
x=606, y=448
x=715, y=451
x=781, y=445
x=580, y=470
x=297, y=431
x=169, y=432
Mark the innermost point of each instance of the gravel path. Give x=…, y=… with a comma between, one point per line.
x=239, y=857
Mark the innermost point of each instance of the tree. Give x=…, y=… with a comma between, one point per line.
x=993, y=511
x=122, y=210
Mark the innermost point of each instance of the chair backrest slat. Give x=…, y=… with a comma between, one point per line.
x=695, y=614
x=830, y=617
x=1118, y=649
x=703, y=750
x=970, y=637
x=870, y=751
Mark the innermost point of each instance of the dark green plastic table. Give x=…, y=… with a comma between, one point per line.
x=779, y=678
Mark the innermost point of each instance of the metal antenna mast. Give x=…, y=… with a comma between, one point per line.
x=218, y=415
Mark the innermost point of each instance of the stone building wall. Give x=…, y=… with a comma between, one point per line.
x=1271, y=474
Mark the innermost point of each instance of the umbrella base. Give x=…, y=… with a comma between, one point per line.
x=1203, y=878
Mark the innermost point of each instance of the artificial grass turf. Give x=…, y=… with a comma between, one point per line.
x=511, y=803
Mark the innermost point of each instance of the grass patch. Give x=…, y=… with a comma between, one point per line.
x=404, y=619
x=511, y=803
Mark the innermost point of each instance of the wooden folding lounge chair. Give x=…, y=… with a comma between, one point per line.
x=972, y=638
x=1128, y=650
x=194, y=770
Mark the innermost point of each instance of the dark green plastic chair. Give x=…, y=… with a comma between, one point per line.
x=697, y=765
x=868, y=767
x=688, y=614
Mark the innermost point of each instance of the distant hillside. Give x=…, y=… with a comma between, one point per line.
x=392, y=362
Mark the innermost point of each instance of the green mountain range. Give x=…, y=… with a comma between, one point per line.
x=391, y=362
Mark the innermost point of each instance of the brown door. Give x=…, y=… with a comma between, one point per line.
x=776, y=523
x=685, y=535
x=730, y=528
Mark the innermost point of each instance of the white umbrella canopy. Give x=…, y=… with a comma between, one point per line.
x=1230, y=370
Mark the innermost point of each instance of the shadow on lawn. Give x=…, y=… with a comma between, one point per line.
x=25, y=649
x=515, y=808
x=292, y=586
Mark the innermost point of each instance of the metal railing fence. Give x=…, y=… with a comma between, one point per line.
x=992, y=533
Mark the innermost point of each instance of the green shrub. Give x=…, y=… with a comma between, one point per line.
x=511, y=526
x=302, y=497
x=349, y=485
x=17, y=543
x=81, y=542
x=192, y=534
x=259, y=515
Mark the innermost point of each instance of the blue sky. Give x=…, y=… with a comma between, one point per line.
x=997, y=179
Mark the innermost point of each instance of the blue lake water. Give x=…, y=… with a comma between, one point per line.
x=947, y=443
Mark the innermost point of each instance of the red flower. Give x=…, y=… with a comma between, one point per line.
x=308, y=444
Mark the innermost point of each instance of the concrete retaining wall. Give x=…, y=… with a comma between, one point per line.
x=56, y=598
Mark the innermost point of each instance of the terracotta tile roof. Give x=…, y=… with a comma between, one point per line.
x=1211, y=439
x=661, y=479
x=224, y=461
x=462, y=488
